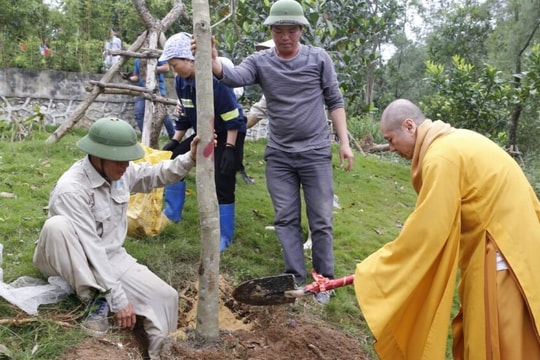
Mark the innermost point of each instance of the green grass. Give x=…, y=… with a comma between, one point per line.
x=375, y=198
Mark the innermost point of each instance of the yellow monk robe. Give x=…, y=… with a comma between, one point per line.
x=468, y=187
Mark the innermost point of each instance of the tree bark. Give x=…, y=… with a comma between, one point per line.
x=142, y=53
x=207, y=306
x=152, y=128
x=134, y=88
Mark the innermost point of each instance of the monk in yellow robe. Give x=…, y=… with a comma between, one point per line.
x=476, y=218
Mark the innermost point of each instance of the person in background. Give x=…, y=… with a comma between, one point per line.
x=229, y=127
x=239, y=92
x=112, y=43
x=44, y=48
x=139, y=76
x=477, y=216
x=257, y=112
x=298, y=81
x=82, y=240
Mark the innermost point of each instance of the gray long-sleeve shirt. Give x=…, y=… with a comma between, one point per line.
x=98, y=212
x=296, y=92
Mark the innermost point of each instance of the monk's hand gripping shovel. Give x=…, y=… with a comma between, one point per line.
x=281, y=289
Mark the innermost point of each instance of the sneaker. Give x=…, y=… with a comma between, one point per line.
x=97, y=321
x=323, y=297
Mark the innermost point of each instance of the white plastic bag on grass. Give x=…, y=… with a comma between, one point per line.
x=28, y=293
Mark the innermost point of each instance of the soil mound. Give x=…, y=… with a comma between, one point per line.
x=246, y=332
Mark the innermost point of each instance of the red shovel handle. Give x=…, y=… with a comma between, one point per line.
x=323, y=284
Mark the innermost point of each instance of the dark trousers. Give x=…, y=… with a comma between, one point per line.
x=139, y=107
x=225, y=184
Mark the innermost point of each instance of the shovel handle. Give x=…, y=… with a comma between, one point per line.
x=328, y=284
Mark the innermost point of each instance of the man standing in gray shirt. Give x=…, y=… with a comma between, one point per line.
x=298, y=81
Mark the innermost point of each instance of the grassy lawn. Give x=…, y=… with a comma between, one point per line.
x=375, y=199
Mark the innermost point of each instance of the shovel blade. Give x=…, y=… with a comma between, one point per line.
x=265, y=291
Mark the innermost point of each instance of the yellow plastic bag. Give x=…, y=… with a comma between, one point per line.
x=145, y=217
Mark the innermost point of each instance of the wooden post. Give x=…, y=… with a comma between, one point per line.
x=150, y=109
x=81, y=109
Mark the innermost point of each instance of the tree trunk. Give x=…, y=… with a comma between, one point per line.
x=514, y=122
x=152, y=121
x=516, y=113
x=207, y=306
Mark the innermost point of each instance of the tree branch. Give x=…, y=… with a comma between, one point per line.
x=178, y=9
x=148, y=20
x=145, y=54
x=104, y=85
x=25, y=321
x=529, y=39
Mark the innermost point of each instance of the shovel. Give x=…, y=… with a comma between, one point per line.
x=280, y=289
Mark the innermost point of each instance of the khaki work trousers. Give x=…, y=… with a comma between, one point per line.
x=59, y=253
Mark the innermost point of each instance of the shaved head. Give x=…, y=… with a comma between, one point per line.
x=398, y=126
x=399, y=110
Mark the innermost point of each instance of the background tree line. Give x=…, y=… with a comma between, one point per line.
x=475, y=64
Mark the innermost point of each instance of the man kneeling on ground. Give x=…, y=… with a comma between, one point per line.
x=83, y=237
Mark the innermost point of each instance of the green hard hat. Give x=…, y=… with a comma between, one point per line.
x=286, y=12
x=111, y=138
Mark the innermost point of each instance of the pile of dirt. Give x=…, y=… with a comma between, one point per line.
x=246, y=332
